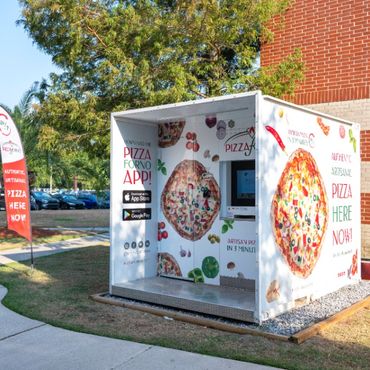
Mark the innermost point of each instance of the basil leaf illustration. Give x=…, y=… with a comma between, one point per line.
x=159, y=165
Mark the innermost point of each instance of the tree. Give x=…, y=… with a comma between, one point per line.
x=119, y=54
x=48, y=163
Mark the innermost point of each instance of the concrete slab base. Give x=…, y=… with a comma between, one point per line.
x=233, y=303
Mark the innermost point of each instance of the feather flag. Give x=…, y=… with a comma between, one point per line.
x=17, y=196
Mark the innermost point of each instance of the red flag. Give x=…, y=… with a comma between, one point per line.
x=17, y=196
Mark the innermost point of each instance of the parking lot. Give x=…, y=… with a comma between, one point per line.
x=66, y=218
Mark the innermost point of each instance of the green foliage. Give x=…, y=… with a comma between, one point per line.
x=47, y=161
x=119, y=54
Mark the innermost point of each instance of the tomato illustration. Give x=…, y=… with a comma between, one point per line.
x=342, y=131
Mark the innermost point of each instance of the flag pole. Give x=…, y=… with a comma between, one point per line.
x=31, y=246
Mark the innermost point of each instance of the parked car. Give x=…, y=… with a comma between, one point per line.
x=89, y=200
x=2, y=201
x=34, y=205
x=67, y=201
x=104, y=200
x=45, y=200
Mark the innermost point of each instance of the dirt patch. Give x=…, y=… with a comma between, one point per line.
x=355, y=328
x=36, y=233
x=66, y=218
x=41, y=233
x=10, y=239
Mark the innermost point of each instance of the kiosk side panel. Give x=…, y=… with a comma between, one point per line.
x=310, y=206
x=238, y=246
x=176, y=252
x=133, y=209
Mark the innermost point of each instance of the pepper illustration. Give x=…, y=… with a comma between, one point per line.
x=210, y=267
x=197, y=275
x=352, y=139
x=277, y=137
x=325, y=129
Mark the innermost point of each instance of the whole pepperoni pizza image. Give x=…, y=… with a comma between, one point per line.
x=300, y=213
x=190, y=199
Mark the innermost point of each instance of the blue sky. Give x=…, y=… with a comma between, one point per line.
x=21, y=62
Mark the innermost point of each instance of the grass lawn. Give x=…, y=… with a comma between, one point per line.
x=58, y=290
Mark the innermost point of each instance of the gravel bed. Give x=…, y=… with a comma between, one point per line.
x=300, y=318
x=287, y=323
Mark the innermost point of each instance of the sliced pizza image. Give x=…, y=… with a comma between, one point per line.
x=190, y=199
x=169, y=133
x=273, y=291
x=299, y=213
x=167, y=265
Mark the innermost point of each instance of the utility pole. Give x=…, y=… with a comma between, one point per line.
x=51, y=174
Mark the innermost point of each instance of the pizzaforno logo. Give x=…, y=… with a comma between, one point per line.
x=5, y=128
x=243, y=141
x=11, y=148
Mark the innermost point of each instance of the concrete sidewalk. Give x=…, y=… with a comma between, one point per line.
x=23, y=254
x=34, y=345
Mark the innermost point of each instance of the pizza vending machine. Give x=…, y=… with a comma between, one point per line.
x=242, y=200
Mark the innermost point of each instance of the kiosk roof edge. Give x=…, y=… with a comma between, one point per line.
x=202, y=106
x=207, y=106
x=308, y=110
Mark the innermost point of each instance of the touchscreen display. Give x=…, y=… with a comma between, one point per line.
x=245, y=184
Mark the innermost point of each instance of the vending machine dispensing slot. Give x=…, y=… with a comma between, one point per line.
x=239, y=189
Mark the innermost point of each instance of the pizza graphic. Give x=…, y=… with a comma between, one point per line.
x=300, y=213
x=190, y=199
x=167, y=265
x=273, y=291
x=169, y=133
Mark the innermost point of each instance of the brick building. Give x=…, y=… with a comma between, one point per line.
x=334, y=37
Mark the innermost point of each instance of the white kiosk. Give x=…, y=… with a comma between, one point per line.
x=240, y=206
